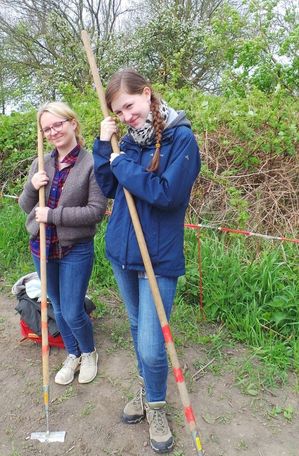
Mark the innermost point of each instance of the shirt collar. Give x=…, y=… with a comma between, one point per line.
x=71, y=157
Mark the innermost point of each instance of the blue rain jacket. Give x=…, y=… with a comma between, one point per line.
x=161, y=197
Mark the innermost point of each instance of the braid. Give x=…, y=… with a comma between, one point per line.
x=159, y=126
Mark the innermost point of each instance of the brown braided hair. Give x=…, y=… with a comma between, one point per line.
x=133, y=83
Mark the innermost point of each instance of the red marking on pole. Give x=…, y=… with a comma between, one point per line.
x=178, y=374
x=167, y=334
x=189, y=414
x=43, y=305
x=45, y=349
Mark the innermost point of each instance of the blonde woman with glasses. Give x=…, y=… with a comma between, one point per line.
x=74, y=205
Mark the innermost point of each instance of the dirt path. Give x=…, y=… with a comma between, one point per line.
x=230, y=423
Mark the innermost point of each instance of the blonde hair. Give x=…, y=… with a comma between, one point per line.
x=134, y=83
x=60, y=109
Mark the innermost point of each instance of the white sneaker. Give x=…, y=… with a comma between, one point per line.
x=89, y=367
x=66, y=374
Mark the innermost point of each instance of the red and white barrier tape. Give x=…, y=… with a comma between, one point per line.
x=244, y=232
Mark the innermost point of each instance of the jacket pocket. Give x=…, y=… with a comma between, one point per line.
x=149, y=221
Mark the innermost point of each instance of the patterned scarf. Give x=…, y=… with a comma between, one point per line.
x=146, y=135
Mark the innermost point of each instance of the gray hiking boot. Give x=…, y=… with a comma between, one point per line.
x=134, y=411
x=161, y=439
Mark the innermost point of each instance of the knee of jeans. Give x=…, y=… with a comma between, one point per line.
x=152, y=357
x=76, y=320
x=57, y=314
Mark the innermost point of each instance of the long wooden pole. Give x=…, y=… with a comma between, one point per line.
x=43, y=278
x=47, y=436
x=178, y=373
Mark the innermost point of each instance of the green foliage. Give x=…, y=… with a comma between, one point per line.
x=102, y=277
x=247, y=131
x=15, y=260
x=86, y=104
x=255, y=293
x=260, y=46
x=257, y=123
x=17, y=149
x=286, y=412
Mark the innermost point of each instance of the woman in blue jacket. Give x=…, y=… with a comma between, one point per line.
x=158, y=164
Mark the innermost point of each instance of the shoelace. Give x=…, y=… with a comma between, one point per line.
x=87, y=360
x=70, y=362
x=138, y=398
x=159, y=421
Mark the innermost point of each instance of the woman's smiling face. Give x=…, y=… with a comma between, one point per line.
x=58, y=131
x=132, y=109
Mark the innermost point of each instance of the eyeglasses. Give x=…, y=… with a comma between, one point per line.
x=56, y=127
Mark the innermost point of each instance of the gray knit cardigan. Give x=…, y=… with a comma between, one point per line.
x=81, y=204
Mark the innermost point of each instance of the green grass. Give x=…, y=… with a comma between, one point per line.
x=15, y=260
x=15, y=453
x=252, y=287
x=250, y=296
x=66, y=394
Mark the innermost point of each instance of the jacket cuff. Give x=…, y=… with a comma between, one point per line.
x=50, y=216
x=30, y=188
x=102, y=148
x=116, y=159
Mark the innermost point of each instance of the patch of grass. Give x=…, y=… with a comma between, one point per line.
x=287, y=412
x=221, y=419
x=120, y=335
x=253, y=376
x=102, y=277
x=88, y=409
x=242, y=445
x=15, y=259
x=67, y=394
x=15, y=453
x=249, y=286
x=296, y=384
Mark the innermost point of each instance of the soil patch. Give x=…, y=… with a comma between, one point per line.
x=230, y=423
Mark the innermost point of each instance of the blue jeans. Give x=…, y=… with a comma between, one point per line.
x=67, y=282
x=145, y=327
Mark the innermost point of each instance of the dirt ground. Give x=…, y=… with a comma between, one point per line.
x=229, y=422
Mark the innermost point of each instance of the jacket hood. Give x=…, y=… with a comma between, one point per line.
x=177, y=119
